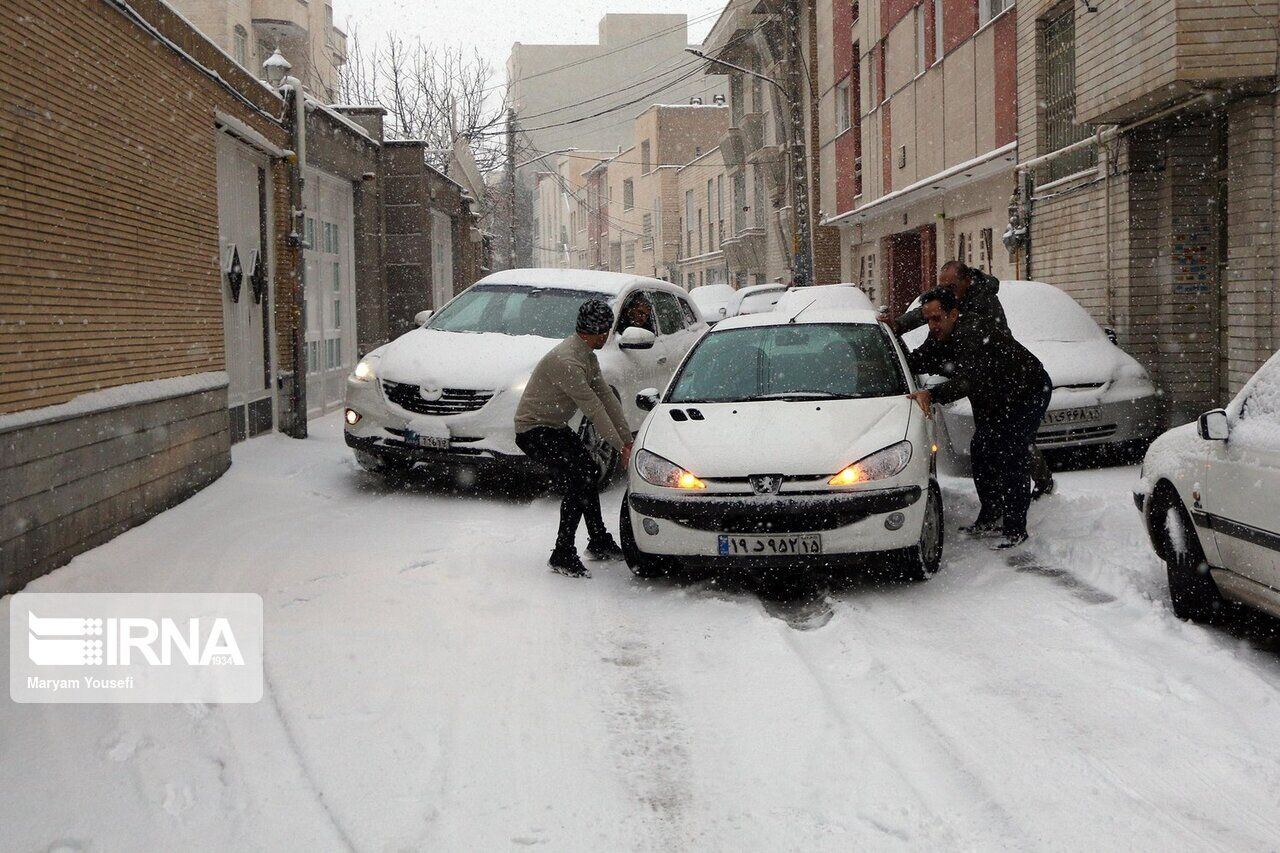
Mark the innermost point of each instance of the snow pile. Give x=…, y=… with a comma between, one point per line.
x=132, y=394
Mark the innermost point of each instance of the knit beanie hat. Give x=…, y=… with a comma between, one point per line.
x=595, y=317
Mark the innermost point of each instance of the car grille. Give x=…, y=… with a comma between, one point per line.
x=453, y=401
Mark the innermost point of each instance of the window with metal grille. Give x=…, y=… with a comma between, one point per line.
x=1060, y=128
x=646, y=229
x=628, y=194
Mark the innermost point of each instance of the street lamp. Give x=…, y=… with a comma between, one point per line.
x=801, y=233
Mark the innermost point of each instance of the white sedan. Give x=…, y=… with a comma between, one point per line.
x=1102, y=396
x=445, y=394
x=1210, y=496
x=785, y=442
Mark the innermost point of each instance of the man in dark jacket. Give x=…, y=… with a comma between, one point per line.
x=977, y=294
x=566, y=381
x=1009, y=391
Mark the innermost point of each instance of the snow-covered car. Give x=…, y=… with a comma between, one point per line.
x=1210, y=497
x=782, y=443
x=446, y=393
x=712, y=300
x=825, y=296
x=754, y=299
x=1102, y=396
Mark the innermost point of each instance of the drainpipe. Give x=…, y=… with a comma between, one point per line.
x=1104, y=163
x=294, y=380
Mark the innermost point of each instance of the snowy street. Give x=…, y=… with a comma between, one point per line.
x=431, y=686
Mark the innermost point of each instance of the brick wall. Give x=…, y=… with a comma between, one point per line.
x=109, y=269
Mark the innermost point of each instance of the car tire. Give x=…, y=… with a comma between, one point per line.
x=380, y=463
x=602, y=452
x=645, y=566
x=922, y=561
x=1192, y=592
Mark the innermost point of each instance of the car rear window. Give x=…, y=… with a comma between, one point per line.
x=818, y=360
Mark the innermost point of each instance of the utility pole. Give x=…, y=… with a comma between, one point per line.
x=511, y=186
x=802, y=228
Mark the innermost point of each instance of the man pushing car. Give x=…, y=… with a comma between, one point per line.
x=567, y=380
x=1009, y=390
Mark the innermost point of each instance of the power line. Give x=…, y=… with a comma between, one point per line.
x=615, y=90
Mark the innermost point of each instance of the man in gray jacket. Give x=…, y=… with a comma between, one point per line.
x=567, y=380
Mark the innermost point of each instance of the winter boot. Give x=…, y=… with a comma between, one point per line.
x=604, y=549
x=1039, y=490
x=568, y=565
x=1011, y=540
x=982, y=527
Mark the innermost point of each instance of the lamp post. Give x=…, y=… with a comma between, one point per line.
x=801, y=234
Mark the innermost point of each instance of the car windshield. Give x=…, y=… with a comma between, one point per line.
x=514, y=309
x=798, y=362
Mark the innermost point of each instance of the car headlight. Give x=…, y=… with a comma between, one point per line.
x=364, y=371
x=880, y=465
x=652, y=468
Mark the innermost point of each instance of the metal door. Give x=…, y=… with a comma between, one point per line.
x=329, y=288
x=243, y=222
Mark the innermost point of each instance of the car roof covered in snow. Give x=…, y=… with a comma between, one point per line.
x=1037, y=312
x=848, y=297
x=596, y=281
x=816, y=314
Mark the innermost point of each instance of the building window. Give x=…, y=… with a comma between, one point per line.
x=937, y=30
x=240, y=45
x=711, y=223
x=873, y=96
x=988, y=9
x=688, y=222
x=719, y=210
x=1060, y=129
x=843, y=121
x=628, y=194
x=629, y=255
x=646, y=164
x=920, y=41
x=646, y=229
x=328, y=25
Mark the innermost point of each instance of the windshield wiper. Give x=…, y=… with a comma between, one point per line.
x=801, y=395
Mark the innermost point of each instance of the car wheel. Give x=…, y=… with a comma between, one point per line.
x=922, y=561
x=642, y=565
x=1192, y=592
x=602, y=452
x=378, y=463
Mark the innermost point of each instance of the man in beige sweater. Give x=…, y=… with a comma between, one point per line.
x=567, y=380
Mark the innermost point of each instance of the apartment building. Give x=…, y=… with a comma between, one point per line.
x=577, y=96
x=917, y=131
x=562, y=210
x=645, y=220
x=1149, y=152
x=701, y=193
x=249, y=31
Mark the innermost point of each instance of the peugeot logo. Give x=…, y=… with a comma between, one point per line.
x=766, y=484
x=430, y=394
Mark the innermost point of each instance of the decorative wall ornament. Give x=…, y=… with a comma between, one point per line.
x=257, y=275
x=233, y=271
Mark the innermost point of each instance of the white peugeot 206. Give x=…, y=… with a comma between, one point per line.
x=785, y=441
x=445, y=395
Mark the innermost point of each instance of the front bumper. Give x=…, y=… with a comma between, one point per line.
x=849, y=522
x=1120, y=422
x=486, y=434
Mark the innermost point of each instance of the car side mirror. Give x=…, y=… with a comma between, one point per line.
x=634, y=337
x=1111, y=335
x=1214, y=426
x=647, y=399
x=422, y=317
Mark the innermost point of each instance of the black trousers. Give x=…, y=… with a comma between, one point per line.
x=1002, y=448
x=564, y=455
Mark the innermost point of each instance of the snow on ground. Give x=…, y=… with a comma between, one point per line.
x=432, y=686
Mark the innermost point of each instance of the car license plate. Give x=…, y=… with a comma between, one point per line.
x=732, y=545
x=428, y=442
x=1077, y=415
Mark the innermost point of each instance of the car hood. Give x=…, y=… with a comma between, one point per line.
x=478, y=360
x=1080, y=362
x=777, y=436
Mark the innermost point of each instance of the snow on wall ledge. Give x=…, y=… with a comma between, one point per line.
x=116, y=397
